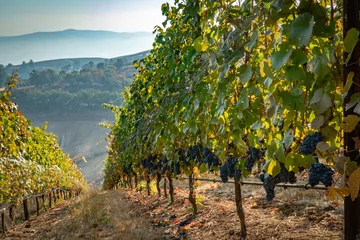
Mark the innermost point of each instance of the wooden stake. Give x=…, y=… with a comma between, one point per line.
x=26, y=210
x=37, y=206
x=3, y=224
x=240, y=210
x=12, y=215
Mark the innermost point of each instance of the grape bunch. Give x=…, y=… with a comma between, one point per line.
x=193, y=154
x=210, y=159
x=228, y=170
x=320, y=173
x=174, y=167
x=308, y=146
x=254, y=155
x=269, y=181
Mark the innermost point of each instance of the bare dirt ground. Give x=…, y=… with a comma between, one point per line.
x=126, y=214
x=295, y=214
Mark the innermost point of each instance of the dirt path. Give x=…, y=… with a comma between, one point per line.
x=125, y=214
x=100, y=215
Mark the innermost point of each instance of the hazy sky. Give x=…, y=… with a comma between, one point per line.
x=26, y=16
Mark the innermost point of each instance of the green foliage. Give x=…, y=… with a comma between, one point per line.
x=31, y=160
x=220, y=72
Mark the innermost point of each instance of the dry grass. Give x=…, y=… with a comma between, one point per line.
x=94, y=215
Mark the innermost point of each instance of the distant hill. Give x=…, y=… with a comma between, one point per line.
x=70, y=44
x=76, y=64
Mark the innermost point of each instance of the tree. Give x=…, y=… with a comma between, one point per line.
x=100, y=66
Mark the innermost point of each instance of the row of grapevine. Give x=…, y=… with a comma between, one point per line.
x=31, y=161
x=229, y=84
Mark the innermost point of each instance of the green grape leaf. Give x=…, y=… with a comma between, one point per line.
x=322, y=146
x=288, y=137
x=245, y=73
x=301, y=30
x=299, y=57
x=279, y=58
x=320, y=102
x=317, y=122
x=354, y=99
x=319, y=64
x=253, y=40
x=351, y=39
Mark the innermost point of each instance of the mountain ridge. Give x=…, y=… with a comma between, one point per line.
x=71, y=43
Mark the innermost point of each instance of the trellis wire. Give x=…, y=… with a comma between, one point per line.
x=284, y=185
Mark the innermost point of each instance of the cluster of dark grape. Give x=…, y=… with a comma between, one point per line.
x=210, y=159
x=254, y=155
x=228, y=170
x=308, y=146
x=194, y=154
x=320, y=173
x=174, y=167
x=269, y=181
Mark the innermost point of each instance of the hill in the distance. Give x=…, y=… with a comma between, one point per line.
x=71, y=44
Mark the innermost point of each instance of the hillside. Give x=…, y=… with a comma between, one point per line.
x=71, y=64
x=71, y=43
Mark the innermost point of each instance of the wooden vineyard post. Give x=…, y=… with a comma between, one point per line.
x=136, y=182
x=239, y=209
x=12, y=215
x=43, y=200
x=165, y=190
x=148, y=184
x=37, y=206
x=192, y=196
x=158, y=179
x=130, y=182
x=352, y=208
x=54, y=193
x=171, y=187
x=3, y=224
x=50, y=199
x=26, y=210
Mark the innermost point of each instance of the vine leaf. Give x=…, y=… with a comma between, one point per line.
x=317, y=122
x=354, y=184
x=322, y=146
x=200, y=45
x=354, y=100
x=320, y=102
x=288, y=137
x=349, y=82
x=333, y=192
x=350, y=41
x=279, y=58
x=357, y=142
x=273, y=168
x=319, y=64
x=301, y=30
x=350, y=123
x=245, y=74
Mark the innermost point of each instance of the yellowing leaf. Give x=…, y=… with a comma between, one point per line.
x=357, y=142
x=332, y=192
x=273, y=168
x=350, y=123
x=354, y=184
